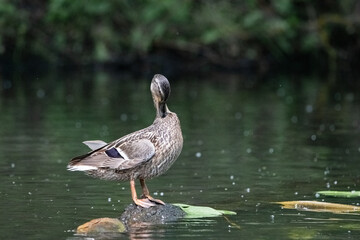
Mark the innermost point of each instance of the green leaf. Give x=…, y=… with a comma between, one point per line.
x=345, y=194
x=201, y=212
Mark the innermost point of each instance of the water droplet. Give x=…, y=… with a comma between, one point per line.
x=296, y=193
x=271, y=150
x=294, y=119
x=233, y=183
x=248, y=190
x=248, y=150
x=40, y=93
x=238, y=115
x=247, y=133
x=161, y=194
x=123, y=117
x=12, y=165
x=155, y=193
x=309, y=108
x=78, y=124
x=335, y=182
x=317, y=195
x=198, y=154
x=109, y=199
x=29, y=193
x=231, y=177
x=327, y=185
x=313, y=137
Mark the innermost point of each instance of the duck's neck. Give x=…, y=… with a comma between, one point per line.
x=161, y=110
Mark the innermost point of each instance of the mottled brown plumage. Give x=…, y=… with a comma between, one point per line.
x=141, y=155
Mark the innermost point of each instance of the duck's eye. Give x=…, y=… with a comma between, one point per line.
x=112, y=152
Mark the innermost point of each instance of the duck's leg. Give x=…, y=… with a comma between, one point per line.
x=145, y=202
x=147, y=194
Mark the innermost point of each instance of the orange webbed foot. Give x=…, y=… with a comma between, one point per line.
x=144, y=202
x=154, y=200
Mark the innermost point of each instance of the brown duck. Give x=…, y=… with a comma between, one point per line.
x=143, y=154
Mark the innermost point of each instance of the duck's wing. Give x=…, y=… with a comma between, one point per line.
x=115, y=156
x=95, y=144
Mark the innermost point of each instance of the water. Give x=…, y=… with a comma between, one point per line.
x=247, y=144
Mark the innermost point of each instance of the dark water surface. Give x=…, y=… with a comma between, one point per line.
x=246, y=145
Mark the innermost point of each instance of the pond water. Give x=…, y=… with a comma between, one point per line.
x=248, y=142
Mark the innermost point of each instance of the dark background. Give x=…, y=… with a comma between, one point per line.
x=251, y=35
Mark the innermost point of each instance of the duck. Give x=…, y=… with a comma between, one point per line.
x=141, y=155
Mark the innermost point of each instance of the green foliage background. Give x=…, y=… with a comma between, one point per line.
x=89, y=31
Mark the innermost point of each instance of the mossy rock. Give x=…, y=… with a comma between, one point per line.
x=159, y=214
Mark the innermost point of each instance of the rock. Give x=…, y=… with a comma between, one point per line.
x=135, y=215
x=101, y=225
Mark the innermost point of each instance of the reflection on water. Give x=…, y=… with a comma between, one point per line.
x=246, y=144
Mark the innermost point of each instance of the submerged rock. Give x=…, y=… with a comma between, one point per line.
x=101, y=225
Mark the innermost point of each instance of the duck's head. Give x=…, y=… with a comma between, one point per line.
x=160, y=90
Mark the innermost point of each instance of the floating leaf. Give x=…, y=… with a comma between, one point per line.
x=316, y=206
x=200, y=212
x=345, y=194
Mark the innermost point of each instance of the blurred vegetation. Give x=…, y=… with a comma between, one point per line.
x=221, y=32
